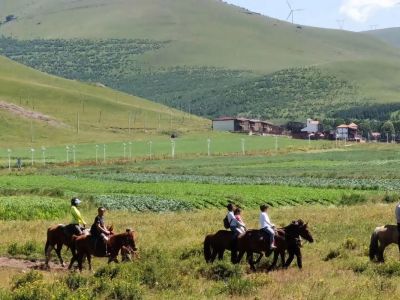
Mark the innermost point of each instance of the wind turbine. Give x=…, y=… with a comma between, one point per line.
x=341, y=23
x=292, y=11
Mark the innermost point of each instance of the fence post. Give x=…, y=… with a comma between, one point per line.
x=150, y=149
x=97, y=154
x=130, y=150
x=104, y=153
x=172, y=148
x=44, y=155
x=208, y=147
x=33, y=151
x=9, y=159
x=67, y=149
x=243, y=147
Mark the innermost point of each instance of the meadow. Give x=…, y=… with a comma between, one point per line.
x=344, y=193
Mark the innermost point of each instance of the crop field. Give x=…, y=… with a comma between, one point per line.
x=344, y=193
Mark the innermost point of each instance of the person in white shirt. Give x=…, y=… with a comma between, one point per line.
x=266, y=226
x=397, y=214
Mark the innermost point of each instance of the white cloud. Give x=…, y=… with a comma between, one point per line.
x=361, y=10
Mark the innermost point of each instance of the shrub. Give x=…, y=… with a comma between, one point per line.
x=108, y=272
x=75, y=281
x=123, y=290
x=390, y=198
x=236, y=286
x=26, y=279
x=188, y=253
x=332, y=254
x=32, y=292
x=222, y=271
x=352, y=199
x=28, y=249
x=350, y=244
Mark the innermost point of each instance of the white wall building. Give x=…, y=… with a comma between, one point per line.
x=312, y=126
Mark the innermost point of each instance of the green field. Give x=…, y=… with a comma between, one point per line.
x=179, y=53
x=50, y=108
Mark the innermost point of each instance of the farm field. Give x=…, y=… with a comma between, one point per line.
x=144, y=146
x=171, y=265
x=173, y=203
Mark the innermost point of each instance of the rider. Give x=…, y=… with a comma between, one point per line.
x=77, y=219
x=242, y=226
x=266, y=226
x=233, y=225
x=99, y=230
x=397, y=213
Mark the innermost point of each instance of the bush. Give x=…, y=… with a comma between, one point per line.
x=352, y=199
x=123, y=290
x=239, y=287
x=32, y=292
x=108, y=272
x=75, y=281
x=350, y=244
x=188, y=253
x=26, y=279
x=391, y=198
x=28, y=249
x=222, y=271
x=332, y=254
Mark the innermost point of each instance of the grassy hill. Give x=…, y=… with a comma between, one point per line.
x=205, y=56
x=389, y=35
x=37, y=108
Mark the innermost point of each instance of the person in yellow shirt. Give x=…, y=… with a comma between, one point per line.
x=77, y=219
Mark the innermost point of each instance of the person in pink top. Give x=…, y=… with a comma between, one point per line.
x=241, y=228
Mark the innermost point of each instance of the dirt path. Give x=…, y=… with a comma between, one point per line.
x=28, y=114
x=22, y=264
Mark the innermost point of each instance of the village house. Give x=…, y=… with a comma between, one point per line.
x=348, y=132
x=243, y=125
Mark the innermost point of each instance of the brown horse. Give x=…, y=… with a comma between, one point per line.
x=288, y=238
x=382, y=237
x=216, y=244
x=84, y=246
x=56, y=238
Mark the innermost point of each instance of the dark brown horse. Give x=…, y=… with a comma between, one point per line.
x=216, y=244
x=84, y=246
x=288, y=238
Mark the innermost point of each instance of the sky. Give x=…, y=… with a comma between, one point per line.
x=354, y=15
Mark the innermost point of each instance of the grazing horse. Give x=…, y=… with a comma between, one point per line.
x=382, y=237
x=84, y=246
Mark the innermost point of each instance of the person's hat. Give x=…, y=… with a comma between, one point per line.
x=75, y=201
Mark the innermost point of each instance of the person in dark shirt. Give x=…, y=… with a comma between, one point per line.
x=99, y=229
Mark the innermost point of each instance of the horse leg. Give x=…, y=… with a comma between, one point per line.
x=240, y=256
x=274, y=261
x=259, y=258
x=250, y=261
x=290, y=259
x=48, y=249
x=220, y=254
x=282, y=255
x=89, y=259
x=80, y=259
x=299, y=258
x=58, y=251
x=381, y=250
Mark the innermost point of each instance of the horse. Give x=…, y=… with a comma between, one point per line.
x=56, y=238
x=286, y=239
x=382, y=237
x=83, y=245
x=215, y=245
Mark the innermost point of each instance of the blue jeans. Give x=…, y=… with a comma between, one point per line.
x=235, y=233
x=270, y=233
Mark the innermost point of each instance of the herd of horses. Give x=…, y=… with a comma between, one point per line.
x=287, y=239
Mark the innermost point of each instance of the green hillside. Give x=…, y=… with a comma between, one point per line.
x=389, y=35
x=37, y=109
x=201, y=56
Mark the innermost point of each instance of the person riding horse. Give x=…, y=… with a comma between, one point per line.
x=77, y=222
x=235, y=226
x=266, y=226
x=99, y=230
x=397, y=214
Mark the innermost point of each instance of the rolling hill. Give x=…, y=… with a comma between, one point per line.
x=202, y=56
x=389, y=35
x=37, y=109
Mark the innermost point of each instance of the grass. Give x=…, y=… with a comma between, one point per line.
x=103, y=113
x=171, y=263
x=195, y=67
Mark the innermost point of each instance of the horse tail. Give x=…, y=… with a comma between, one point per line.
x=207, y=248
x=373, y=246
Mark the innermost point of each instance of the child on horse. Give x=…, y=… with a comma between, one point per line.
x=99, y=230
x=266, y=226
x=74, y=228
x=241, y=226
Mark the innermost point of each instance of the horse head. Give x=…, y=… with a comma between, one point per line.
x=130, y=240
x=303, y=230
x=111, y=229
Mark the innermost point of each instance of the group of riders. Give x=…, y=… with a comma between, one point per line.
x=98, y=230
x=235, y=223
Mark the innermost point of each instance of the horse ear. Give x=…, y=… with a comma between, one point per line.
x=128, y=230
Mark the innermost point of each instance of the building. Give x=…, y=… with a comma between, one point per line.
x=348, y=132
x=245, y=126
x=313, y=126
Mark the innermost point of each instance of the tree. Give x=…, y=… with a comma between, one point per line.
x=365, y=128
x=387, y=129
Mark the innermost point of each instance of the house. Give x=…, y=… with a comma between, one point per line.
x=313, y=126
x=348, y=132
x=243, y=125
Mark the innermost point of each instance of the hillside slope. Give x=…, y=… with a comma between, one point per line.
x=37, y=108
x=389, y=35
x=195, y=55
